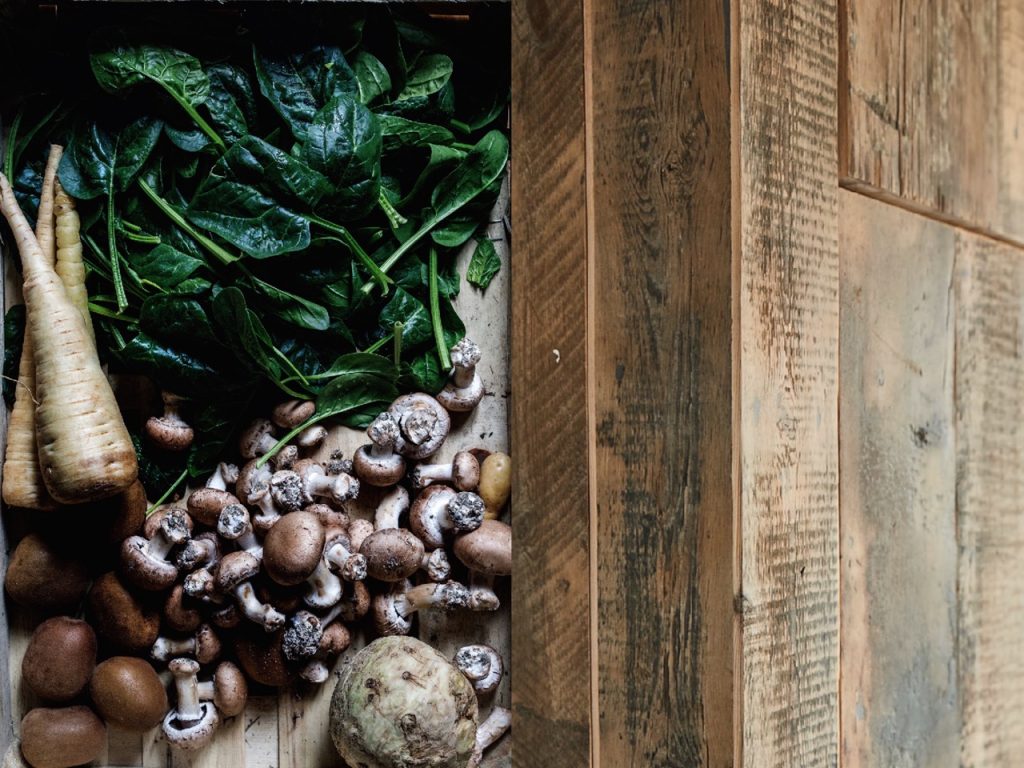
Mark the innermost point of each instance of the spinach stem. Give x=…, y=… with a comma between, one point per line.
x=398, y=328
x=315, y=418
x=96, y=309
x=172, y=213
x=435, y=313
x=134, y=233
x=378, y=344
x=353, y=245
x=167, y=494
x=11, y=138
x=203, y=125
x=115, y=259
x=394, y=217
x=291, y=366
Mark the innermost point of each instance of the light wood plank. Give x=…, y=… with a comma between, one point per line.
x=788, y=369
x=899, y=699
x=551, y=591
x=990, y=497
x=662, y=291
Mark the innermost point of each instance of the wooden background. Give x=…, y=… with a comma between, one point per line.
x=768, y=364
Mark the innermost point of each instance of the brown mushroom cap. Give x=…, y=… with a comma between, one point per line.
x=293, y=548
x=169, y=433
x=128, y=513
x=205, y=504
x=61, y=738
x=328, y=516
x=181, y=614
x=230, y=689
x=235, y=568
x=119, y=618
x=355, y=601
x=43, y=579
x=392, y=554
x=179, y=523
x=488, y=549
x=59, y=659
x=261, y=656
x=254, y=438
x=291, y=413
x=128, y=693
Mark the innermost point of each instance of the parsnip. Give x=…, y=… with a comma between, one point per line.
x=85, y=452
x=70, y=265
x=22, y=481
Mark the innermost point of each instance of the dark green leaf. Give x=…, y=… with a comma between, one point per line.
x=243, y=332
x=364, y=385
x=14, y=335
x=455, y=231
x=158, y=470
x=407, y=309
x=178, y=319
x=484, y=265
x=423, y=374
x=164, y=265
x=294, y=309
x=231, y=103
x=399, y=132
x=125, y=66
x=175, y=369
x=428, y=75
x=374, y=81
x=96, y=152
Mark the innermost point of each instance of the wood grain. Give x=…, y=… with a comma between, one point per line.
x=933, y=95
x=549, y=430
x=662, y=290
x=990, y=496
x=899, y=699
x=788, y=370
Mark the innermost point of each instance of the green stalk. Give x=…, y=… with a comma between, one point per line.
x=167, y=494
x=115, y=259
x=378, y=344
x=97, y=309
x=134, y=233
x=394, y=217
x=435, y=313
x=316, y=417
x=353, y=245
x=203, y=125
x=177, y=218
x=12, y=137
x=397, y=334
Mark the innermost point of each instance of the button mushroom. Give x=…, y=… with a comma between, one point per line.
x=59, y=659
x=201, y=552
x=463, y=472
x=423, y=425
x=487, y=552
x=204, y=645
x=289, y=414
x=192, y=723
x=261, y=657
x=128, y=693
x=293, y=548
x=227, y=690
x=490, y=730
x=234, y=525
x=41, y=578
x=465, y=389
x=338, y=553
x=393, y=610
x=439, y=510
x=61, y=738
x=119, y=618
x=435, y=565
x=378, y=463
x=392, y=553
x=180, y=612
x=316, y=483
x=224, y=477
x=287, y=492
x=482, y=666
x=354, y=603
x=329, y=517
x=256, y=439
x=334, y=640
x=205, y=504
x=144, y=561
x=170, y=431
x=233, y=574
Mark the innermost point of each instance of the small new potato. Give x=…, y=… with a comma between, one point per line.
x=495, y=483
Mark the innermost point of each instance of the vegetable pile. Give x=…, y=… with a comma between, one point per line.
x=263, y=217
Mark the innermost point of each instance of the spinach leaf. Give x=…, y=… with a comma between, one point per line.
x=175, y=369
x=362, y=386
x=99, y=158
x=484, y=265
x=423, y=373
x=400, y=132
x=215, y=425
x=178, y=319
x=164, y=266
x=158, y=470
x=429, y=75
x=293, y=309
x=411, y=312
x=245, y=334
x=372, y=77
x=14, y=336
x=299, y=84
x=231, y=102
x=456, y=231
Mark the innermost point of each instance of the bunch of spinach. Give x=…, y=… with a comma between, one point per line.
x=272, y=218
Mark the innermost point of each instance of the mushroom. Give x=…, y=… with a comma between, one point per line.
x=170, y=431
x=252, y=480
x=311, y=437
x=337, y=463
x=358, y=531
x=201, y=552
x=261, y=657
x=287, y=491
x=463, y=472
x=423, y=425
x=285, y=599
x=464, y=390
x=128, y=693
x=205, y=504
x=378, y=463
x=354, y=603
x=227, y=690
x=392, y=553
x=302, y=636
x=482, y=666
x=495, y=483
x=316, y=483
x=226, y=617
x=224, y=476
x=144, y=560
x=488, y=732
x=257, y=439
x=233, y=525
x=202, y=585
x=60, y=738
x=439, y=510
x=338, y=553
x=436, y=566
x=233, y=574
x=393, y=610
x=330, y=517
x=289, y=414
x=488, y=549
x=180, y=615
x=334, y=640
x=41, y=578
x=59, y=659
x=118, y=617
x=190, y=725
x=482, y=596
x=204, y=645
x=293, y=548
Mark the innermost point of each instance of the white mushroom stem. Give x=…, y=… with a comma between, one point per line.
x=383, y=434
x=201, y=585
x=351, y=565
x=269, y=513
x=172, y=531
x=197, y=553
x=315, y=671
x=225, y=475
x=391, y=508
x=324, y=587
x=233, y=524
x=206, y=690
x=493, y=728
x=188, y=696
x=465, y=356
x=447, y=596
x=425, y=474
x=166, y=647
x=256, y=611
x=482, y=596
x=340, y=487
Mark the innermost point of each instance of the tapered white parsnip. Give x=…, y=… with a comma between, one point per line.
x=85, y=452
x=22, y=480
x=70, y=266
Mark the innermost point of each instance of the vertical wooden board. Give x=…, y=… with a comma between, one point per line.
x=990, y=497
x=1011, y=119
x=551, y=590
x=662, y=290
x=788, y=369
x=899, y=698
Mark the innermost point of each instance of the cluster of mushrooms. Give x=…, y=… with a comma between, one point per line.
x=268, y=564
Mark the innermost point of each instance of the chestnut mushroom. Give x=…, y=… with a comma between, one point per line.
x=423, y=425
x=488, y=732
x=393, y=610
x=144, y=560
x=201, y=552
x=289, y=414
x=392, y=553
x=204, y=645
x=487, y=550
x=233, y=574
x=293, y=548
x=465, y=389
x=329, y=517
x=128, y=693
x=316, y=483
x=261, y=657
x=234, y=525
x=440, y=510
x=59, y=659
x=205, y=504
x=334, y=640
x=287, y=492
x=41, y=578
x=436, y=566
x=378, y=463
x=227, y=690
x=170, y=431
x=256, y=439
x=192, y=723
x=339, y=554
x=482, y=666
x=119, y=618
x=463, y=472
x=224, y=477
x=358, y=531
x=354, y=602
x=61, y=738
x=180, y=612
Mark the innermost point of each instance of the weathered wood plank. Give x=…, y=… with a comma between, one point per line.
x=549, y=427
x=788, y=369
x=662, y=291
x=990, y=496
x=932, y=101
x=899, y=698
